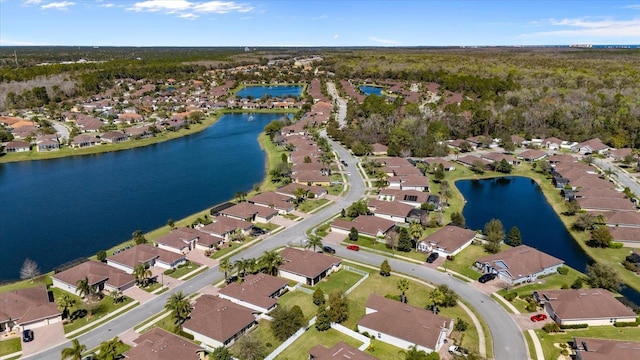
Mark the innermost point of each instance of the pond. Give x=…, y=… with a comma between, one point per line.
x=519, y=201
x=279, y=91
x=371, y=90
x=54, y=211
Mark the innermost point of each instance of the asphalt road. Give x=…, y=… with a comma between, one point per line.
x=508, y=340
x=342, y=104
x=621, y=177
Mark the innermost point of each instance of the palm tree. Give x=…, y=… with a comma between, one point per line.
x=300, y=194
x=142, y=274
x=116, y=295
x=415, y=229
x=313, y=241
x=251, y=265
x=65, y=301
x=270, y=261
x=225, y=266
x=75, y=351
x=180, y=307
x=84, y=289
x=608, y=173
x=108, y=350
x=413, y=353
x=403, y=285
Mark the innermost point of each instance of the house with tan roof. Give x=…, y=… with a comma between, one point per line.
x=626, y=235
x=532, y=155
x=620, y=154
x=47, y=142
x=391, y=210
x=605, y=349
x=128, y=259
x=178, y=241
x=218, y=322
x=100, y=276
x=270, y=199
x=222, y=227
x=307, y=267
x=379, y=149
x=114, y=137
x=409, y=197
x=449, y=240
x=17, y=146
x=519, y=264
x=258, y=292
x=159, y=344
x=584, y=306
x=250, y=212
x=592, y=146
x=368, y=225
x=27, y=309
x=446, y=164
x=472, y=160
x=404, y=325
x=339, y=351
x=290, y=189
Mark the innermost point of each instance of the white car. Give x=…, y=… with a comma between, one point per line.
x=457, y=350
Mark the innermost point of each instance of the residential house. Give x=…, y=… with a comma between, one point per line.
x=16, y=146
x=449, y=240
x=312, y=191
x=47, y=142
x=621, y=218
x=605, y=204
x=472, y=160
x=584, y=306
x=159, y=344
x=218, y=322
x=605, y=349
x=180, y=241
x=307, y=267
x=630, y=236
x=372, y=226
x=28, y=308
x=409, y=182
x=114, y=137
x=390, y=210
x=446, y=165
x=258, y=292
x=532, y=155
x=270, y=199
x=82, y=141
x=379, y=149
x=250, y=212
x=410, y=197
x=620, y=154
x=495, y=157
x=404, y=325
x=128, y=259
x=339, y=351
x=100, y=276
x=592, y=146
x=519, y=264
x=222, y=227
x=552, y=143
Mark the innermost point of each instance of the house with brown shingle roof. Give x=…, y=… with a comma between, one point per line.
x=626, y=235
x=379, y=149
x=222, y=227
x=17, y=146
x=620, y=154
x=519, y=264
x=372, y=226
x=591, y=146
x=410, y=197
x=404, y=325
x=584, y=306
x=307, y=267
x=259, y=292
x=621, y=218
x=605, y=204
x=159, y=344
x=100, y=277
x=178, y=241
x=27, y=309
x=250, y=212
x=532, y=155
x=449, y=240
x=128, y=259
x=47, y=142
x=339, y=351
x=390, y=210
x=114, y=137
x=273, y=200
x=218, y=322
x=605, y=349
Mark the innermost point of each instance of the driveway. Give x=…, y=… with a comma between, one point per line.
x=139, y=295
x=279, y=220
x=525, y=323
x=43, y=337
x=197, y=256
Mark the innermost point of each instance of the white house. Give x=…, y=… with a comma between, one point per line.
x=519, y=264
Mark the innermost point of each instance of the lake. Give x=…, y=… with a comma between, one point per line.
x=54, y=211
x=279, y=91
x=371, y=90
x=519, y=201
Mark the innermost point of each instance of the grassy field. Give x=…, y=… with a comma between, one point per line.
x=10, y=346
x=264, y=333
x=184, y=269
x=342, y=280
x=311, y=204
x=302, y=299
x=312, y=337
x=464, y=260
x=600, y=332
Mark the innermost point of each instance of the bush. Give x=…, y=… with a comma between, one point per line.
x=575, y=326
x=564, y=352
x=551, y=328
x=563, y=270
x=393, y=297
x=510, y=296
x=630, y=266
x=626, y=324
x=616, y=245
x=169, y=272
x=564, y=286
x=577, y=284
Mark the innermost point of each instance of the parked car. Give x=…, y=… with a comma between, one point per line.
x=487, y=277
x=27, y=335
x=329, y=249
x=539, y=317
x=457, y=350
x=353, y=247
x=432, y=257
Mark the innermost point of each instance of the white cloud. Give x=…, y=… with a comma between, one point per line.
x=109, y=5
x=32, y=2
x=383, y=41
x=63, y=5
x=190, y=10
x=321, y=17
x=336, y=36
x=591, y=28
x=634, y=6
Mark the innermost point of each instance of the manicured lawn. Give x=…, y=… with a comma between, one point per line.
x=152, y=287
x=322, y=229
x=25, y=284
x=266, y=227
x=371, y=243
x=464, y=260
x=290, y=216
x=264, y=333
x=10, y=346
x=309, y=205
x=184, y=269
x=342, y=280
x=598, y=332
x=384, y=351
x=334, y=189
x=312, y=337
x=302, y=299
x=225, y=250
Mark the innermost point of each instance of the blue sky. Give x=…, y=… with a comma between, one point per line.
x=317, y=23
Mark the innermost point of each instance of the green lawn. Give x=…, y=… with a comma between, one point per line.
x=302, y=299
x=225, y=250
x=374, y=244
x=341, y=280
x=184, y=269
x=264, y=333
x=152, y=287
x=310, y=204
x=465, y=259
x=10, y=346
x=599, y=332
x=312, y=337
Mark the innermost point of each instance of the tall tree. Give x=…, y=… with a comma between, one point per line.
x=108, y=350
x=29, y=269
x=65, y=302
x=513, y=237
x=142, y=273
x=600, y=237
x=458, y=219
x=323, y=320
x=85, y=289
x=603, y=276
x=403, y=286
x=270, y=261
x=220, y=353
x=138, y=237
x=313, y=241
x=318, y=297
x=338, y=307
x=74, y=352
x=494, y=232
x=180, y=307
x=353, y=234
x=225, y=266
x=249, y=347
x=443, y=296
x=286, y=321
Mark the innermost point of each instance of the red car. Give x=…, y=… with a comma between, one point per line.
x=353, y=247
x=539, y=317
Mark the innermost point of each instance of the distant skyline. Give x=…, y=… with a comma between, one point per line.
x=318, y=23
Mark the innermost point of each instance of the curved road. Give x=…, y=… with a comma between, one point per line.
x=507, y=338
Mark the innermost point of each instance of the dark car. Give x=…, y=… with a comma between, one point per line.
x=486, y=277
x=432, y=257
x=27, y=335
x=329, y=249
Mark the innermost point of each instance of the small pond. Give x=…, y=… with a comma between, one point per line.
x=279, y=91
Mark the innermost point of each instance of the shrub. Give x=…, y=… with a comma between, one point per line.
x=577, y=284
x=575, y=326
x=510, y=296
x=551, y=328
x=563, y=270
x=564, y=352
x=626, y=324
x=268, y=345
x=393, y=297
x=564, y=286
x=630, y=266
x=169, y=271
x=616, y=245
